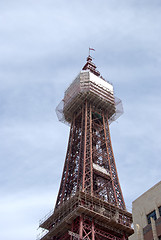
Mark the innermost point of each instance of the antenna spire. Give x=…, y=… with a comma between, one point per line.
x=90, y=65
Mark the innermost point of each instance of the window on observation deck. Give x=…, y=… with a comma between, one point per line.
x=153, y=215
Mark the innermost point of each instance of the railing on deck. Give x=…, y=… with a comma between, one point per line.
x=46, y=217
x=86, y=201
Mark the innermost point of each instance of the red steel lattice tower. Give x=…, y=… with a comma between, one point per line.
x=90, y=204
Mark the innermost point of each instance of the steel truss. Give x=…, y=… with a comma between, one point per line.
x=84, y=228
x=90, y=202
x=90, y=148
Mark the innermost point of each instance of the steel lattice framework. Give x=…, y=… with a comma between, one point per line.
x=89, y=148
x=90, y=203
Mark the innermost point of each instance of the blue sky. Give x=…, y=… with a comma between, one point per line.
x=43, y=46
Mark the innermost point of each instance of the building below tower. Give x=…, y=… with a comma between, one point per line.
x=146, y=211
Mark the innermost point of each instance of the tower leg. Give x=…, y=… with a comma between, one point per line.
x=81, y=227
x=93, y=233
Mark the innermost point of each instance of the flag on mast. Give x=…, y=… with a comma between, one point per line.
x=91, y=49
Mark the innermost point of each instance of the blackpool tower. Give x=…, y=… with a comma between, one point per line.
x=90, y=204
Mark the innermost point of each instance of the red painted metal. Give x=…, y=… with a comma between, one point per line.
x=93, y=231
x=81, y=227
x=90, y=143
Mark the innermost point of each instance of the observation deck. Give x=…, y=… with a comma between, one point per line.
x=93, y=88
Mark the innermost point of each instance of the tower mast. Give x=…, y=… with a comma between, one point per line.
x=90, y=204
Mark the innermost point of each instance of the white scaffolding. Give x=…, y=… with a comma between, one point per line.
x=88, y=86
